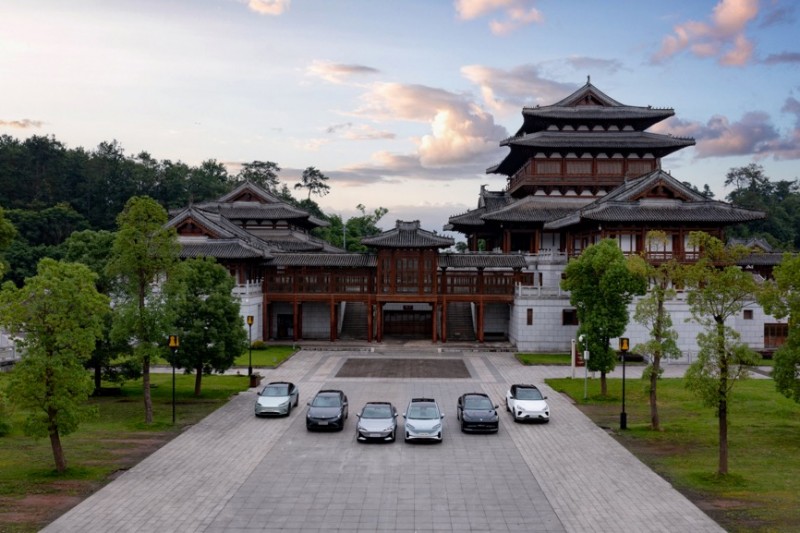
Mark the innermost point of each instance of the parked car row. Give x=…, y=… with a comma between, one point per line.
x=377, y=421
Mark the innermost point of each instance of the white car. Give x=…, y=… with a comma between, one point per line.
x=423, y=420
x=277, y=398
x=526, y=402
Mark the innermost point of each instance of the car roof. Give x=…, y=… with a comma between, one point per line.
x=329, y=392
x=482, y=394
x=523, y=386
x=429, y=400
x=279, y=383
x=378, y=403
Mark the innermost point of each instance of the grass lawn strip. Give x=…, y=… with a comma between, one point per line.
x=762, y=491
x=32, y=494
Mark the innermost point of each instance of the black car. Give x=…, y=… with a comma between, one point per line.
x=477, y=413
x=328, y=410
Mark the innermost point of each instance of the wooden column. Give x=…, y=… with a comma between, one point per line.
x=333, y=309
x=380, y=322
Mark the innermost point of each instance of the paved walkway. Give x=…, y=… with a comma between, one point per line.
x=233, y=472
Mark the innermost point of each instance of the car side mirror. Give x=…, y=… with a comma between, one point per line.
x=395, y=415
x=442, y=415
x=545, y=397
x=404, y=415
x=358, y=415
x=496, y=406
x=308, y=404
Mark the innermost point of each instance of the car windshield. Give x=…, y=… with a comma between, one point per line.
x=423, y=412
x=376, y=411
x=275, y=390
x=326, y=400
x=478, y=403
x=528, y=394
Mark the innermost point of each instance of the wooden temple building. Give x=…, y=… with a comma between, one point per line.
x=578, y=171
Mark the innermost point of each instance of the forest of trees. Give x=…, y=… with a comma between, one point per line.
x=49, y=191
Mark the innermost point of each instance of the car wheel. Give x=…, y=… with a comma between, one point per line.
x=297, y=401
x=394, y=436
x=508, y=407
x=289, y=409
x=462, y=429
x=406, y=438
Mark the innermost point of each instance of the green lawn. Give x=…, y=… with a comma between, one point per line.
x=269, y=357
x=762, y=490
x=116, y=440
x=544, y=358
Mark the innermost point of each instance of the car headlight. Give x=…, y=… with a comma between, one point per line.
x=388, y=428
x=409, y=426
x=437, y=427
x=285, y=404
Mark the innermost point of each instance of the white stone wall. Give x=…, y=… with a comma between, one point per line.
x=548, y=334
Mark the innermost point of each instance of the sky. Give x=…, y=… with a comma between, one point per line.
x=402, y=104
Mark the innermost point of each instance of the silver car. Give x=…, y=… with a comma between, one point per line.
x=423, y=420
x=377, y=421
x=277, y=398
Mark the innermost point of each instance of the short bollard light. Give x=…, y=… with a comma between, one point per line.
x=250, y=339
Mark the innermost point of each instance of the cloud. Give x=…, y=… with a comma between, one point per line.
x=460, y=130
x=754, y=134
x=776, y=15
x=783, y=57
x=387, y=167
x=723, y=37
x=338, y=73
x=506, y=91
x=515, y=13
x=23, y=124
x=269, y=7
x=360, y=132
x=594, y=64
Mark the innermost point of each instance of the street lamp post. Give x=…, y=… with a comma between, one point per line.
x=623, y=416
x=174, y=342
x=250, y=340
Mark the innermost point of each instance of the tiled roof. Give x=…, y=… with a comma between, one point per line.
x=597, y=113
x=257, y=211
x=325, y=260
x=603, y=140
x=762, y=259
x=483, y=260
x=220, y=249
x=623, y=204
x=537, y=209
x=408, y=235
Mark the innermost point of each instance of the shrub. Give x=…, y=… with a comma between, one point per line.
x=258, y=345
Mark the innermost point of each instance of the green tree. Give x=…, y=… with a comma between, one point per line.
x=206, y=316
x=601, y=286
x=262, y=173
x=57, y=314
x=143, y=253
x=7, y=234
x=365, y=225
x=651, y=312
x=93, y=249
x=781, y=298
x=313, y=180
x=208, y=181
x=718, y=290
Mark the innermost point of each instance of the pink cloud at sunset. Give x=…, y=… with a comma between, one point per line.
x=723, y=37
x=515, y=14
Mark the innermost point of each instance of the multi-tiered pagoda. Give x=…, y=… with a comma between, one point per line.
x=583, y=169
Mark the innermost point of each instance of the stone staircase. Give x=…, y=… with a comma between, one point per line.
x=354, y=325
x=459, y=322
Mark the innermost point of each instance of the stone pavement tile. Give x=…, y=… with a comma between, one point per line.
x=221, y=475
